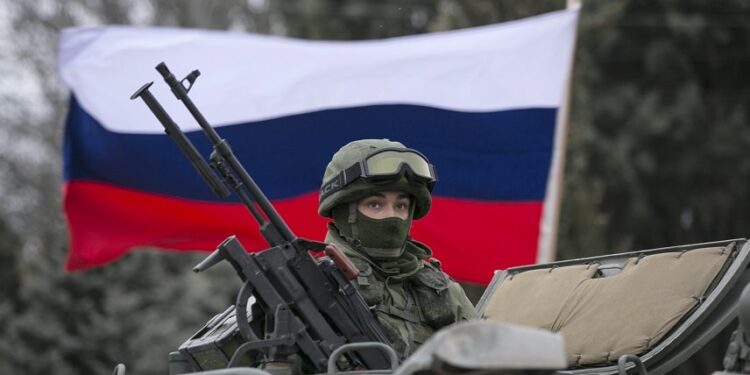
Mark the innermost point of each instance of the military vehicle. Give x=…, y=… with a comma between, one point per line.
x=637, y=312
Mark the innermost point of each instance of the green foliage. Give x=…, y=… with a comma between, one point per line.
x=134, y=311
x=658, y=127
x=659, y=122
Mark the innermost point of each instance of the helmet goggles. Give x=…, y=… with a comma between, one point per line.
x=384, y=165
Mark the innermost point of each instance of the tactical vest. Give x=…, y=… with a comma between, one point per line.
x=411, y=306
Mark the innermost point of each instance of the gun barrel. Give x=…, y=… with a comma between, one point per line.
x=187, y=148
x=181, y=93
x=224, y=150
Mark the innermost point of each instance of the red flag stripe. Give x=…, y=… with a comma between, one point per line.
x=133, y=218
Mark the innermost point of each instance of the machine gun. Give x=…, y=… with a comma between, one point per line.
x=737, y=358
x=307, y=307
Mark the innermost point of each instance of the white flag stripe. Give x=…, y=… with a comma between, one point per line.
x=253, y=77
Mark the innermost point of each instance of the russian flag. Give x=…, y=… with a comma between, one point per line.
x=481, y=103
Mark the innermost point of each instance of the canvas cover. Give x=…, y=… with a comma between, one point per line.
x=602, y=318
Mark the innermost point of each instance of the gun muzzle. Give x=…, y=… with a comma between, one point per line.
x=215, y=257
x=141, y=90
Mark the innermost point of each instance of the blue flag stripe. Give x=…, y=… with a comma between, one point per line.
x=495, y=156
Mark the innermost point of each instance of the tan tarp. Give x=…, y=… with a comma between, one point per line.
x=519, y=298
x=604, y=318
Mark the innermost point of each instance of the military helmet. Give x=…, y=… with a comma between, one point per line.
x=364, y=167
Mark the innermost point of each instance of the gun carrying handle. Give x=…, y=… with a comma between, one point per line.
x=342, y=262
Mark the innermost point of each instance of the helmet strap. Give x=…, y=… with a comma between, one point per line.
x=352, y=220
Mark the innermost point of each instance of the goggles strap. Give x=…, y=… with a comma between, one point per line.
x=341, y=180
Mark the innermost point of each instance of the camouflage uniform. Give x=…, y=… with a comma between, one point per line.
x=408, y=292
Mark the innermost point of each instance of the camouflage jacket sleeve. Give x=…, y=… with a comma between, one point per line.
x=464, y=308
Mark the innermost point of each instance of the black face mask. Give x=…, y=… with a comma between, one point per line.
x=378, y=238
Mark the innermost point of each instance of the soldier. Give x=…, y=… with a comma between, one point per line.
x=373, y=189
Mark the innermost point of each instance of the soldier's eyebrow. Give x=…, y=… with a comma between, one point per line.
x=403, y=196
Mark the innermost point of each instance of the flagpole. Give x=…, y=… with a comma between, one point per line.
x=547, y=249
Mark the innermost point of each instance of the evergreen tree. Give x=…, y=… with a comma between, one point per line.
x=659, y=122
